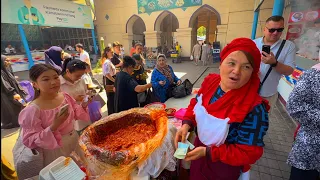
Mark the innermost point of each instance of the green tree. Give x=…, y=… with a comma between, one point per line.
x=202, y=31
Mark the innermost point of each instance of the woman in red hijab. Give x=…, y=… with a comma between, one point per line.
x=229, y=116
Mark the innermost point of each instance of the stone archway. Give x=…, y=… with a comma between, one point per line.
x=166, y=25
x=135, y=28
x=208, y=17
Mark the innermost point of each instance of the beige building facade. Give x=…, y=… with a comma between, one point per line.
x=223, y=19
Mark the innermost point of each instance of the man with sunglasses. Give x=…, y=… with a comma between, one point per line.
x=283, y=65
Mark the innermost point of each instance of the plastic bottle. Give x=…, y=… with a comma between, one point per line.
x=18, y=98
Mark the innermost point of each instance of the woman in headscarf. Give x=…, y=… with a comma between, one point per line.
x=230, y=116
x=304, y=106
x=163, y=78
x=54, y=57
x=11, y=92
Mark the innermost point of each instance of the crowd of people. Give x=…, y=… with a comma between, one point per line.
x=230, y=112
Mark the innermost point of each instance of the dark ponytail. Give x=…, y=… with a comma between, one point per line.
x=72, y=66
x=36, y=71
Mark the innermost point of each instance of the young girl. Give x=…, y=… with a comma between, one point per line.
x=71, y=83
x=109, y=73
x=42, y=126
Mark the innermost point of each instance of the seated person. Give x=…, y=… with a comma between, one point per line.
x=163, y=78
x=10, y=50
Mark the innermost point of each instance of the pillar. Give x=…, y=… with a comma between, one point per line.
x=184, y=39
x=278, y=6
x=222, y=34
x=127, y=42
x=152, y=38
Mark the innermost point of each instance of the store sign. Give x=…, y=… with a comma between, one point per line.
x=46, y=13
x=149, y=6
x=294, y=31
x=304, y=16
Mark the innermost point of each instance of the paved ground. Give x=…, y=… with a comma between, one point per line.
x=278, y=139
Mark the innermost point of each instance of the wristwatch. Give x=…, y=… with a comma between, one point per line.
x=275, y=64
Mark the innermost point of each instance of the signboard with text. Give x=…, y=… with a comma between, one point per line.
x=149, y=6
x=46, y=13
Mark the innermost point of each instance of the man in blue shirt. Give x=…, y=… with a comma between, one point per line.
x=285, y=63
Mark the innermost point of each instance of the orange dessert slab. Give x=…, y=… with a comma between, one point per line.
x=117, y=144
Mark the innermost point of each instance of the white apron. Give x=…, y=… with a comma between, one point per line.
x=212, y=130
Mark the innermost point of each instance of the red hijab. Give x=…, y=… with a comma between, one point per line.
x=237, y=103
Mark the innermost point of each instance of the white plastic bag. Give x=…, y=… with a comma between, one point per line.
x=245, y=176
x=191, y=57
x=211, y=130
x=162, y=158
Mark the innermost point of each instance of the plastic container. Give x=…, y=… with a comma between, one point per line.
x=71, y=171
x=57, y=170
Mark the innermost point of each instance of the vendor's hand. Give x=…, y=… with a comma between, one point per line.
x=80, y=98
x=268, y=58
x=85, y=104
x=181, y=135
x=58, y=120
x=162, y=83
x=195, y=154
x=179, y=82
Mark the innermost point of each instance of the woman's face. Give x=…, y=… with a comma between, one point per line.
x=162, y=62
x=109, y=54
x=75, y=76
x=48, y=82
x=235, y=71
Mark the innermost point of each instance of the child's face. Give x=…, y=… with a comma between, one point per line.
x=87, y=70
x=48, y=82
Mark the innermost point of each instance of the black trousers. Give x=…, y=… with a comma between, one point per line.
x=110, y=96
x=299, y=174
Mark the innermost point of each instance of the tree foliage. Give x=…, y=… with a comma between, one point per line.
x=201, y=31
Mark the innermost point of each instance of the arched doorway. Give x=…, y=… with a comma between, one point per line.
x=135, y=29
x=166, y=23
x=207, y=17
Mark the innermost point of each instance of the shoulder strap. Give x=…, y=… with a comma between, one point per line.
x=270, y=68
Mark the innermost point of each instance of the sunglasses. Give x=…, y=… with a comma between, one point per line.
x=272, y=30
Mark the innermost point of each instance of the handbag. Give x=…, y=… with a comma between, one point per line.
x=151, y=97
x=27, y=162
x=94, y=111
x=184, y=89
x=109, y=88
x=142, y=97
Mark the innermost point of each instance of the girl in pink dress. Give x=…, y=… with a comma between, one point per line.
x=42, y=128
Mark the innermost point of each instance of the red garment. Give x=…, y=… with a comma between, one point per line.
x=235, y=104
x=132, y=51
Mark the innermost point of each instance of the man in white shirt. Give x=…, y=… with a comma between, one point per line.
x=285, y=63
x=84, y=56
x=10, y=50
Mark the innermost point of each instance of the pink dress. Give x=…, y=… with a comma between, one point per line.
x=35, y=129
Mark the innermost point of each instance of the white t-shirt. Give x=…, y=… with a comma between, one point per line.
x=84, y=56
x=87, y=78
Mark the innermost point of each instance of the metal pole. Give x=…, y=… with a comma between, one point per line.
x=278, y=7
x=94, y=41
x=255, y=24
x=25, y=45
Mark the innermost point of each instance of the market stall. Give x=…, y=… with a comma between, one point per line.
x=46, y=14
